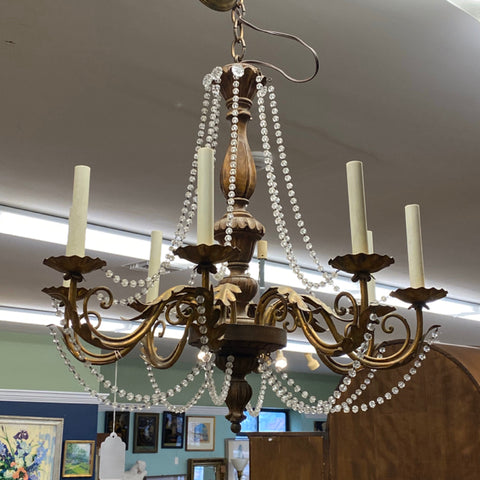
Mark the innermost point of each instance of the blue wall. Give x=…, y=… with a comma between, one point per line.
x=80, y=421
x=164, y=462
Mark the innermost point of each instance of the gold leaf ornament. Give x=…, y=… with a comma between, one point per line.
x=293, y=297
x=225, y=293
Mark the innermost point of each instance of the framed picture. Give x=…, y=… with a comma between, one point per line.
x=320, y=426
x=33, y=444
x=122, y=422
x=200, y=433
x=173, y=427
x=145, y=434
x=78, y=458
x=237, y=448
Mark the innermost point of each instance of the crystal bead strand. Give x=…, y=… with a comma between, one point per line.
x=210, y=382
x=212, y=91
x=238, y=72
x=277, y=208
x=100, y=397
x=322, y=406
x=265, y=374
x=159, y=398
x=401, y=384
x=290, y=400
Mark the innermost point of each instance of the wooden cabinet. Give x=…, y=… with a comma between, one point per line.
x=287, y=456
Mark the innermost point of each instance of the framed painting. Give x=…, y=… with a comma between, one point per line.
x=145, y=434
x=173, y=427
x=78, y=458
x=200, y=433
x=122, y=423
x=320, y=426
x=30, y=447
x=237, y=448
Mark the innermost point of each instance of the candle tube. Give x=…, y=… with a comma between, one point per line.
x=356, y=202
x=77, y=224
x=372, y=295
x=154, y=264
x=414, y=246
x=262, y=249
x=205, y=211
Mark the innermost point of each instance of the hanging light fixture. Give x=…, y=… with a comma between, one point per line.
x=280, y=361
x=232, y=332
x=311, y=362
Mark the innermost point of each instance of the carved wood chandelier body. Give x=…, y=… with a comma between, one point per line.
x=223, y=320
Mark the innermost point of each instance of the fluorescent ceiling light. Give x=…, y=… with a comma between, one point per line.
x=35, y=226
x=472, y=7
x=44, y=318
x=45, y=228
x=300, y=347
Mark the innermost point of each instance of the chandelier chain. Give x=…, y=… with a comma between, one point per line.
x=238, y=12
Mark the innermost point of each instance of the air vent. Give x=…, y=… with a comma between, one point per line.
x=143, y=267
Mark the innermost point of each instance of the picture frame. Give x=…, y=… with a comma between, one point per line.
x=200, y=434
x=206, y=469
x=173, y=429
x=122, y=425
x=78, y=458
x=167, y=477
x=43, y=435
x=145, y=433
x=320, y=426
x=237, y=448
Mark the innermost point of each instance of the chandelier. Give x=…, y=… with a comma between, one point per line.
x=232, y=331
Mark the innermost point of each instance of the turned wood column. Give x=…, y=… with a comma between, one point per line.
x=247, y=230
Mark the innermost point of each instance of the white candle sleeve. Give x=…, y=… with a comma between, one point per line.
x=77, y=224
x=154, y=263
x=414, y=246
x=205, y=212
x=262, y=249
x=356, y=203
x=371, y=287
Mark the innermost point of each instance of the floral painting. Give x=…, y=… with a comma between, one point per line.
x=30, y=448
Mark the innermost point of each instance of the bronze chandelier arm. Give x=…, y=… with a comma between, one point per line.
x=81, y=353
x=340, y=311
x=277, y=303
x=333, y=365
x=173, y=298
x=271, y=308
x=187, y=318
x=178, y=304
x=161, y=362
x=319, y=344
x=408, y=348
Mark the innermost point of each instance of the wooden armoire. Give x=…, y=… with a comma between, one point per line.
x=429, y=431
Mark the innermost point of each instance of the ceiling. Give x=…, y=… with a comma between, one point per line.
x=117, y=85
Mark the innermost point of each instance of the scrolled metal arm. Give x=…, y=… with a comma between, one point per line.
x=283, y=305
x=178, y=304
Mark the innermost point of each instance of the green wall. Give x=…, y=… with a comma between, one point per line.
x=30, y=361
x=132, y=377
